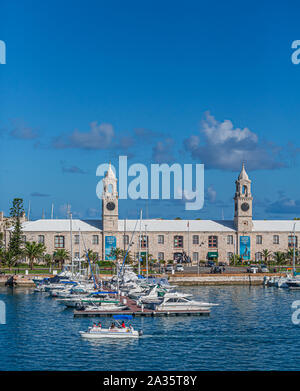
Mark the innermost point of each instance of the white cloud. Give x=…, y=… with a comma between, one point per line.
x=221, y=145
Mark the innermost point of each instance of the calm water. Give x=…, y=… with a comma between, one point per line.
x=250, y=330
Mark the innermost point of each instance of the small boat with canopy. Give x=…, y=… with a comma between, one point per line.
x=116, y=330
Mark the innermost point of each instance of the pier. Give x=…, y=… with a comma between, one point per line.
x=136, y=311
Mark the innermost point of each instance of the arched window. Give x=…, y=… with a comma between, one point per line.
x=245, y=190
x=258, y=256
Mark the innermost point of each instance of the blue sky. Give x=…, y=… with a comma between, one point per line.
x=160, y=81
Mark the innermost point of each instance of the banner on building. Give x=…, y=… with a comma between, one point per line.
x=110, y=243
x=245, y=248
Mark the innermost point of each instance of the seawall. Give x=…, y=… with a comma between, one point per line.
x=221, y=279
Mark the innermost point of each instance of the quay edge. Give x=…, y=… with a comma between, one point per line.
x=221, y=279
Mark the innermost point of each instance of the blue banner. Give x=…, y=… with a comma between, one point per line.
x=110, y=242
x=245, y=248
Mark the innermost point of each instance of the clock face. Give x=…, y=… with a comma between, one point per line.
x=110, y=206
x=245, y=206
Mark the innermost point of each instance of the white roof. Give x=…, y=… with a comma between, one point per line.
x=177, y=225
x=61, y=225
x=157, y=225
x=276, y=225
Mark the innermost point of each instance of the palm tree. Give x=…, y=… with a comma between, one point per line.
x=128, y=256
x=234, y=259
x=266, y=255
x=116, y=253
x=60, y=256
x=93, y=256
x=8, y=258
x=279, y=257
x=49, y=260
x=34, y=251
x=290, y=255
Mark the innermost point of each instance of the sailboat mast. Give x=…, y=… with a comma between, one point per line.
x=139, y=263
x=71, y=244
x=294, y=252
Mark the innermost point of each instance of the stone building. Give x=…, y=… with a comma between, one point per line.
x=168, y=239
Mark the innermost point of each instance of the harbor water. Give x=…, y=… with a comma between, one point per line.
x=251, y=329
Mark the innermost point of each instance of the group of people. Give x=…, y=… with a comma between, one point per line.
x=113, y=326
x=97, y=325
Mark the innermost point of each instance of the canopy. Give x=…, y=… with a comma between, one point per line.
x=104, y=293
x=121, y=317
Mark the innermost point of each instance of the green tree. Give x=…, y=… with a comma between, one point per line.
x=8, y=258
x=178, y=218
x=93, y=256
x=290, y=255
x=16, y=243
x=61, y=256
x=48, y=260
x=116, y=253
x=279, y=257
x=266, y=255
x=235, y=259
x=34, y=251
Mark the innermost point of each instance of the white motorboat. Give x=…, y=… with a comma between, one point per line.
x=115, y=331
x=91, y=299
x=180, y=302
x=105, y=307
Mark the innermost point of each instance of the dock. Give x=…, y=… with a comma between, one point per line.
x=140, y=313
x=136, y=311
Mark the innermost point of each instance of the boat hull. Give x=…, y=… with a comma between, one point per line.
x=107, y=333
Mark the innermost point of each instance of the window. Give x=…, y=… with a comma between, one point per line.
x=95, y=239
x=97, y=256
x=212, y=241
x=195, y=257
x=275, y=239
x=144, y=241
x=41, y=239
x=161, y=256
x=229, y=256
x=195, y=239
x=291, y=241
x=76, y=239
x=178, y=241
x=229, y=239
x=76, y=255
x=258, y=239
x=160, y=239
x=59, y=241
x=258, y=256
x=126, y=240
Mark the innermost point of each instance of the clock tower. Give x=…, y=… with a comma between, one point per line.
x=243, y=203
x=109, y=203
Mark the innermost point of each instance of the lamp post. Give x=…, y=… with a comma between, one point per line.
x=198, y=266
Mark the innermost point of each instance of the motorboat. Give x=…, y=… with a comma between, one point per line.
x=103, y=307
x=180, y=302
x=115, y=331
x=95, y=298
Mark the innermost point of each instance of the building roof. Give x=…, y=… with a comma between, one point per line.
x=243, y=173
x=276, y=225
x=62, y=225
x=157, y=225
x=177, y=225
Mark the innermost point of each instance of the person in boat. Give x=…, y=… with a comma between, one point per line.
x=123, y=325
x=99, y=325
x=94, y=325
x=112, y=326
